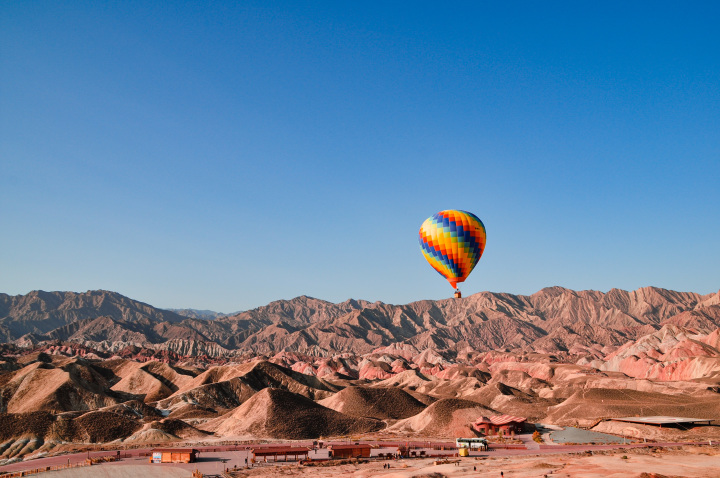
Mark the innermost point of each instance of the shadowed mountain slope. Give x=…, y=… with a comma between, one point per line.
x=41, y=311
x=380, y=403
x=276, y=413
x=552, y=320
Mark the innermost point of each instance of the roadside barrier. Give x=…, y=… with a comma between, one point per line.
x=507, y=446
x=92, y=461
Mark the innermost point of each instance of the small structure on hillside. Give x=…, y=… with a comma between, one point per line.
x=499, y=423
x=279, y=451
x=358, y=450
x=173, y=455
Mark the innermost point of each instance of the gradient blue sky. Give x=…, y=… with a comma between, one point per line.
x=222, y=156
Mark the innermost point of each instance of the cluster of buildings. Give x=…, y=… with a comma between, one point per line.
x=276, y=453
x=494, y=425
x=505, y=424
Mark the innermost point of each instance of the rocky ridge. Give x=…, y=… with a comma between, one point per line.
x=552, y=321
x=131, y=374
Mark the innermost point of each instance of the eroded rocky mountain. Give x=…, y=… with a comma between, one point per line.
x=198, y=314
x=55, y=395
x=553, y=320
x=99, y=367
x=41, y=312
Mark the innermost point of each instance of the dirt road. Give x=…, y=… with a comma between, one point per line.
x=212, y=460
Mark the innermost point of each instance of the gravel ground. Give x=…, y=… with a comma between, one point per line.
x=577, y=435
x=127, y=471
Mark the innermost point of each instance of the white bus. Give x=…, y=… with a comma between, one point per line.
x=472, y=443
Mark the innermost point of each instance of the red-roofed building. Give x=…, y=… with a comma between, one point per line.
x=506, y=423
x=350, y=451
x=279, y=451
x=173, y=455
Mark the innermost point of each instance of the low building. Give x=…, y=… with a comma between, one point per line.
x=349, y=451
x=277, y=452
x=507, y=424
x=173, y=455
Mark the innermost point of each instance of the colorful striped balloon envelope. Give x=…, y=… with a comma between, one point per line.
x=452, y=242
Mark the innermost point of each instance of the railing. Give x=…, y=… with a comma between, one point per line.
x=507, y=446
x=42, y=469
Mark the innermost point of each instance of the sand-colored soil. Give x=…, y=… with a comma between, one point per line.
x=42, y=386
x=651, y=432
x=449, y=417
x=374, y=402
x=689, y=462
x=275, y=413
x=128, y=471
x=138, y=379
x=584, y=407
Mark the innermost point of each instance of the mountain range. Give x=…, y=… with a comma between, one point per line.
x=95, y=367
x=554, y=320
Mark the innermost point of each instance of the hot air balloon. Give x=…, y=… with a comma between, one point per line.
x=452, y=242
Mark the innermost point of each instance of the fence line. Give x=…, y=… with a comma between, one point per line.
x=42, y=469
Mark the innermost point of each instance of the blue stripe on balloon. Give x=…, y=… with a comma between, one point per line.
x=451, y=264
x=469, y=240
x=456, y=229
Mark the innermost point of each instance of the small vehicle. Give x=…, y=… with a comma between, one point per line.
x=472, y=443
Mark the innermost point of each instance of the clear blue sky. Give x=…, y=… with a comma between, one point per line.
x=222, y=156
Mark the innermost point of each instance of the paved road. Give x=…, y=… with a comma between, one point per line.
x=529, y=443
x=211, y=458
x=125, y=471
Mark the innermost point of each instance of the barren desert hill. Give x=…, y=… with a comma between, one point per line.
x=150, y=380
x=260, y=374
x=277, y=413
x=203, y=314
x=208, y=400
x=41, y=312
x=448, y=417
x=427, y=368
x=61, y=384
x=105, y=329
x=374, y=402
x=585, y=407
x=259, y=399
x=552, y=320
x=221, y=388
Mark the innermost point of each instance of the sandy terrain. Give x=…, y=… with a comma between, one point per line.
x=57, y=399
x=687, y=461
x=679, y=463
x=127, y=471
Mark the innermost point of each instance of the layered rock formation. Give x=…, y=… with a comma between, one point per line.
x=551, y=321
x=307, y=368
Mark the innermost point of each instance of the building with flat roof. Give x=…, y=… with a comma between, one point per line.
x=359, y=450
x=279, y=451
x=173, y=455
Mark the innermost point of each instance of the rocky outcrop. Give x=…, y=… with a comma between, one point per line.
x=553, y=321
x=41, y=312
